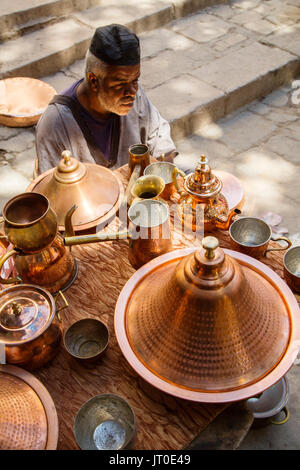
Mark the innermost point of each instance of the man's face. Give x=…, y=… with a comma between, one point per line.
x=117, y=90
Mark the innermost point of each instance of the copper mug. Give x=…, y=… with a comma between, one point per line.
x=251, y=236
x=139, y=157
x=168, y=172
x=291, y=268
x=148, y=232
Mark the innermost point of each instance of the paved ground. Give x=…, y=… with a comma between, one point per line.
x=212, y=75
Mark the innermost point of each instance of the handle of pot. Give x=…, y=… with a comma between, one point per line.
x=283, y=248
x=177, y=172
x=285, y=419
x=59, y=309
x=10, y=280
x=97, y=237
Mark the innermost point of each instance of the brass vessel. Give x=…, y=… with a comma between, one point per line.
x=202, y=204
x=94, y=189
x=39, y=253
x=208, y=325
x=147, y=187
x=30, y=325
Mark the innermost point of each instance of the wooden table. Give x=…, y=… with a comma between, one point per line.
x=163, y=422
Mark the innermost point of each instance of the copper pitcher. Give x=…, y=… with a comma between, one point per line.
x=39, y=253
x=202, y=202
x=148, y=232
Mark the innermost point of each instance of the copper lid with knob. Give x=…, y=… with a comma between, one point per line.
x=94, y=189
x=208, y=325
x=26, y=311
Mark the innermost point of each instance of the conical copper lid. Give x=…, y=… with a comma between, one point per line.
x=209, y=325
x=94, y=189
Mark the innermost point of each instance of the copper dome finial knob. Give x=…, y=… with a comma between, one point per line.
x=69, y=169
x=210, y=244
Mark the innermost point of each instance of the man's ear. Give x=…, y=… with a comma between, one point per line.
x=93, y=81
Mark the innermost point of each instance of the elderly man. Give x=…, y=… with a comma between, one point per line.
x=101, y=115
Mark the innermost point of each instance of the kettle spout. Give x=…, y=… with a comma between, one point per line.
x=69, y=230
x=224, y=223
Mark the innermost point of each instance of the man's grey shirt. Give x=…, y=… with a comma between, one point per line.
x=57, y=130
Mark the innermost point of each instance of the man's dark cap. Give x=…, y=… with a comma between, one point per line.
x=116, y=45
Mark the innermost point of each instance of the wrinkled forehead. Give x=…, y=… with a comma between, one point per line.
x=122, y=73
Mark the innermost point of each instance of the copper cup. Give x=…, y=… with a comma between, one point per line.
x=139, y=155
x=251, y=236
x=291, y=268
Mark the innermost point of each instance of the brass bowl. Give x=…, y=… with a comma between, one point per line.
x=105, y=422
x=86, y=339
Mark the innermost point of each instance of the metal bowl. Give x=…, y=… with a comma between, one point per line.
x=270, y=402
x=86, y=339
x=105, y=422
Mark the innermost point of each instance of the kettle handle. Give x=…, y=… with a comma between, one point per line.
x=177, y=172
x=10, y=280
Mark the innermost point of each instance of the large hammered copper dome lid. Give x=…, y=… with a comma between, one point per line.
x=94, y=189
x=209, y=325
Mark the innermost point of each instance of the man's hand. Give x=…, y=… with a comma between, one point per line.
x=168, y=157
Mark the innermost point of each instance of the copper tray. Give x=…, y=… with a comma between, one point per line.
x=23, y=100
x=289, y=304
x=28, y=418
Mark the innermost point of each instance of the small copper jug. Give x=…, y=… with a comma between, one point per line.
x=39, y=253
x=148, y=232
x=202, y=205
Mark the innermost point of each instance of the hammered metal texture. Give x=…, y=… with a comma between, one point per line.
x=23, y=422
x=214, y=340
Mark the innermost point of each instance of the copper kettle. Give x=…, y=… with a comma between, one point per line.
x=30, y=325
x=202, y=204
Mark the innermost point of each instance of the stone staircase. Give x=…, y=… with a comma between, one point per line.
x=202, y=59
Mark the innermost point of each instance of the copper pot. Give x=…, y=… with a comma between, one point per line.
x=203, y=206
x=39, y=253
x=30, y=325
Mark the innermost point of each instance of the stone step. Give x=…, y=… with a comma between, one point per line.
x=18, y=17
x=58, y=33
